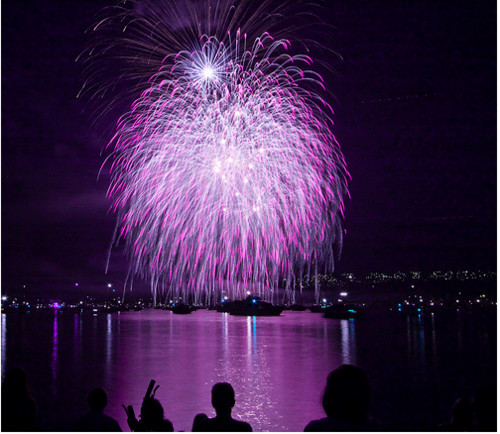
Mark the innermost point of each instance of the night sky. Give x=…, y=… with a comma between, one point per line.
x=415, y=102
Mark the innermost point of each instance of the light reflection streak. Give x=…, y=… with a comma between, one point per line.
x=254, y=387
x=254, y=334
x=347, y=328
x=421, y=340
x=224, y=335
x=77, y=321
x=4, y=342
x=434, y=346
x=55, y=341
x=224, y=326
x=352, y=339
x=249, y=339
x=416, y=345
x=109, y=349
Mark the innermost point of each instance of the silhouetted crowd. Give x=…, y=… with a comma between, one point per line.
x=346, y=401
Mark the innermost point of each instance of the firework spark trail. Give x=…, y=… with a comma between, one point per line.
x=226, y=174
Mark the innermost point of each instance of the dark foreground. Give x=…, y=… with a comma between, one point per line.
x=417, y=365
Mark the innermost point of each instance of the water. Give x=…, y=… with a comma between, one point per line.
x=417, y=366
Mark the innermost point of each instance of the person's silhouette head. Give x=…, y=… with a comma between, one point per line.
x=151, y=411
x=222, y=397
x=347, y=394
x=98, y=399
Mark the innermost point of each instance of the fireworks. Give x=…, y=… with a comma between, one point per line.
x=225, y=173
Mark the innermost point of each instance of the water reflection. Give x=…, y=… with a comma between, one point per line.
x=421, y=339
x=225, y=339
x=249, y=341
x=224, y=326
x=77, y=338
x=272, y=363
x=55, y=341
x=277, y=366
x=348, y=342
x=109, y=348
x=433, y=338
x=415, y=331
x=4, y=342
x=251, y=338
x=256, y=402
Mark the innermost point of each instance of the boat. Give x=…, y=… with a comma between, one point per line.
x=254, y=306
x=16, y=309
x=410, y=309
x=342, y=311
x=318, y=308
x=226, y=306
x=181, y=309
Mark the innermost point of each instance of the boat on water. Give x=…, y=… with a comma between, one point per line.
x=181, y=309
x=226, y=306
x=318, y=308
x=251, y=306
x=16, y=309
x=343, y=311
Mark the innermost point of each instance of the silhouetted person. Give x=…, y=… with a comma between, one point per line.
x=346, y=402
x=18, y=406
x=199, y=422
x=96, y=420
x=223, y=402
x=462, y=417
x=151, y=417
x=484, y=405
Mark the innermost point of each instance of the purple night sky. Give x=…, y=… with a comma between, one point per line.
x=415, y=116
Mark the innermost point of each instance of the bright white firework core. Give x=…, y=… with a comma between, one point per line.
x=207, y=72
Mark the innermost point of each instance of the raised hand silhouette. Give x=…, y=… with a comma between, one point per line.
x=151, y=417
